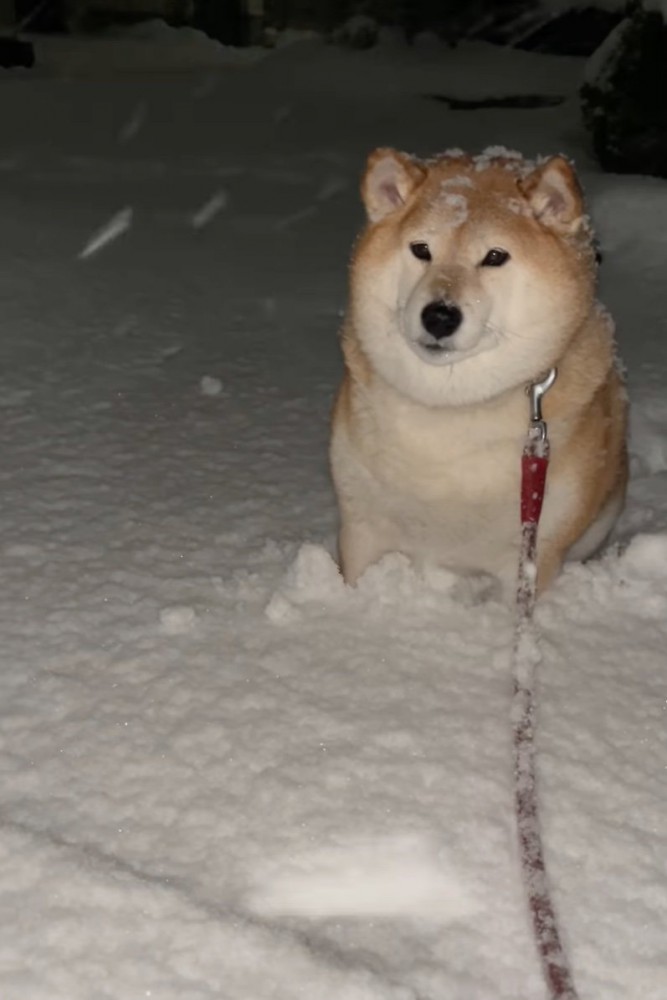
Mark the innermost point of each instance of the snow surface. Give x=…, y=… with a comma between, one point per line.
x=223, y=773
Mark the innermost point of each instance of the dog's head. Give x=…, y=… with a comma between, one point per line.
x=472, y=275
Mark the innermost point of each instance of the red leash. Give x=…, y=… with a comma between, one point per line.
x=526, y=657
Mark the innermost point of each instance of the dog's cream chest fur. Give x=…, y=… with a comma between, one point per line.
x=440, y=483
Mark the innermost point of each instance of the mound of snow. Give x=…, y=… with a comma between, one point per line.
x=150, y=46
x=388, y=876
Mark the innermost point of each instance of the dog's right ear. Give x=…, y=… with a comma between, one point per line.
x=388, y=182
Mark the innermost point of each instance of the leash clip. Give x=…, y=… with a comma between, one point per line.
x=536, y=392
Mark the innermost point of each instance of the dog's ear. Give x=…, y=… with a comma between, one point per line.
x=389, y=180
x=555, y=196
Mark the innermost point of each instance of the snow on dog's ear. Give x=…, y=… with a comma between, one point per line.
x=554, y=194
x=388, y=182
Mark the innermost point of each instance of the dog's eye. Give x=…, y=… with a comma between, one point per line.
x=496, y=258
x=421, y=251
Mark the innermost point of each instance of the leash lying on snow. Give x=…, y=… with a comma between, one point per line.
x=526, y=657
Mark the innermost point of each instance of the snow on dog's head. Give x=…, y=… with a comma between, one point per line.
x=472, y=275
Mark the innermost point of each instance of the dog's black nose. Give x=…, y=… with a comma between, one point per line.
x=441, y=319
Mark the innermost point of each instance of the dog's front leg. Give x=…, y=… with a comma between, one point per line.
x=550, y=558
x=360, y=544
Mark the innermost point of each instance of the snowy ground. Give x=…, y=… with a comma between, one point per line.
x=223, y=775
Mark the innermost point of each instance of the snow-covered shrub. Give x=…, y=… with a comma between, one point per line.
x=358, y=32
x=566, y=29
x=624, y=95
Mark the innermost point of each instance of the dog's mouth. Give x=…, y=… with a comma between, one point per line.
x=436, y=353
x=448, y=351
x=436, y=347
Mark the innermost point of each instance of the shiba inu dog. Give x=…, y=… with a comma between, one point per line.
x=473, y=277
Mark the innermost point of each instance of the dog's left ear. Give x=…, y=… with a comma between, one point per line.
x=555, y=195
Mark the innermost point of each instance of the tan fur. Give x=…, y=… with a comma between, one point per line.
x=426, y=456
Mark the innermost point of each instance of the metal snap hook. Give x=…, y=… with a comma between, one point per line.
x=536, y=391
